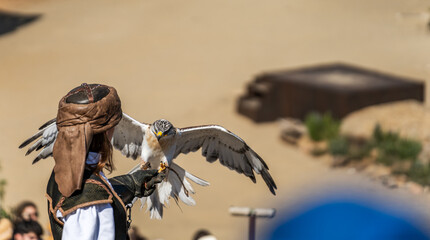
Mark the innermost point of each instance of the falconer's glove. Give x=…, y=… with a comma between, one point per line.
x=138, y=184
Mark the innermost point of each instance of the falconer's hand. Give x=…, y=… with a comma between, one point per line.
x=146, y=180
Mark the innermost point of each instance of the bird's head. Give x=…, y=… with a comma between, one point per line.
x=162, y=128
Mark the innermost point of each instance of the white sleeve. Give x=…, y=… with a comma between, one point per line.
x=90, y=223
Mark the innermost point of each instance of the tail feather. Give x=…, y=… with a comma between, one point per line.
x=175, y=186
x=196, y=179
x=153, y=205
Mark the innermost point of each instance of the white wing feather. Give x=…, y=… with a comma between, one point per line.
x=128, y=136
x=45, y=137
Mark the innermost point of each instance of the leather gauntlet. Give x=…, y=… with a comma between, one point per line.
x=138, y=184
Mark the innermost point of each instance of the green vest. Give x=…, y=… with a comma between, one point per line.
x=95, y=190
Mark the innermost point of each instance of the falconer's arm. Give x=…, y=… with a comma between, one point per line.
x=138, y=184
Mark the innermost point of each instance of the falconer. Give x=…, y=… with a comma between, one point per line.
x=82, y=203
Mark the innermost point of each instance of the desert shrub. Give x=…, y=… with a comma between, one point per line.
x=338, y=146
x=349, y=148
x=407, y=149
x=318, y=151
x=3, y=213
x=419, y=173
x=2, y=187
x=321, y=127
x=386, y=159
x=378, y=135
x=394, y=148
x=360, y=150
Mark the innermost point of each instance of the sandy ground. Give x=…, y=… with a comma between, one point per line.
x=188, y=61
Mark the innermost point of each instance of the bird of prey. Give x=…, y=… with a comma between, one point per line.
x=159, y=143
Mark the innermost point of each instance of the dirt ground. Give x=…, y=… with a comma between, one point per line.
x=188, y=61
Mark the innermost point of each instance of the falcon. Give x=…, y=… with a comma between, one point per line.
x=158, y=144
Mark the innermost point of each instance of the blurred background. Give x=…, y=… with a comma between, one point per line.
x=190, y=62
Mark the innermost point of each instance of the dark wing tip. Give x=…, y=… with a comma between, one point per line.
x=38, y=134
x=26, y=142
x=273, y=191
x=269, y=181
x=252, y=177
x=35, y=160
x=38, y=158
x=39, y=147
x=31, y=139
x=47, y=123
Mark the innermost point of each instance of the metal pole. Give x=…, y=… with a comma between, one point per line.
x=252, y=227
x=252, y=214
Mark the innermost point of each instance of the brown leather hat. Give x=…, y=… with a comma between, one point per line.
x=87, y=93
x=86, y=110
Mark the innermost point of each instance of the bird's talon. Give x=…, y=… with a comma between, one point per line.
x=162, y=167
x=146, y=166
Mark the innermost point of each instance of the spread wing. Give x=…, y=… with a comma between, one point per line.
x=44, y=138
x=128, y=136
x=217, y=142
